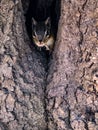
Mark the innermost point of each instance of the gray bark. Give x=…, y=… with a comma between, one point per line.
x=65, y=97
x=72, y=90
x=22, y=74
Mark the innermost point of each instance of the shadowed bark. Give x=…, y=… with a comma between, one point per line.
x=66, y=96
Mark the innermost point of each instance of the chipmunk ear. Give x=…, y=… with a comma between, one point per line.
x=34, y=21
x=48, y=21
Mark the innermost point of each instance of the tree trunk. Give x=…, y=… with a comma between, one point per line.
x=22, y=74
x=72, y=90
x=66, y=96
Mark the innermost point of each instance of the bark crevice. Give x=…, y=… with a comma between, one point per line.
x=55, y=93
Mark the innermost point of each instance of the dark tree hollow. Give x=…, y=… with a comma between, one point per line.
x=40, y=10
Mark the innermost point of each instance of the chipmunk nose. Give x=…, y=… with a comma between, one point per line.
x=40, y=38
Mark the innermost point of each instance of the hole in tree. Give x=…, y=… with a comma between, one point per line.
x=40, y=10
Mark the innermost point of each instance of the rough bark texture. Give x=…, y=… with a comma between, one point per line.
x=72, y=90
x=65, y=98
x=22, y=76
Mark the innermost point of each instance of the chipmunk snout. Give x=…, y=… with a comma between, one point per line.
x=40, y=41
x=40, y=38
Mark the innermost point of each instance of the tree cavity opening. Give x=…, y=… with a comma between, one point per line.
x=40, y=10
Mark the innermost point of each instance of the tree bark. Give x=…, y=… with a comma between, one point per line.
x=22, y=74
x=72, y=90
x=65, y=97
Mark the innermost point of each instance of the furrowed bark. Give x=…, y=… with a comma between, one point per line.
x=72, y=90
x=65, y=97
x=22, y=74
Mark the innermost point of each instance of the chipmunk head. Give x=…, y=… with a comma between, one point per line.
x=41, y=31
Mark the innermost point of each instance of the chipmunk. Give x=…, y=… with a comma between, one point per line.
x=42, y=35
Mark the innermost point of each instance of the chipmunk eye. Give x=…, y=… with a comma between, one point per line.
x=47, y=36
x=34, y=34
